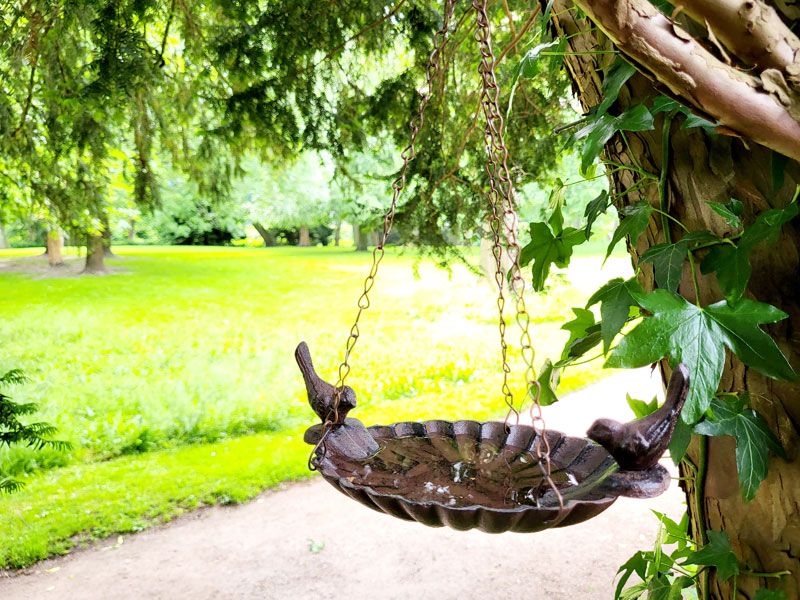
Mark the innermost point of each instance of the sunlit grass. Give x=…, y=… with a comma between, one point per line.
x=194, y=346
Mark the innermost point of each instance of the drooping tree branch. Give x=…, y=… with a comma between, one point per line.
x=752, y=30
x=756, y=109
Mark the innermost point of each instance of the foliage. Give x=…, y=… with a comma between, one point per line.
x=672, y=565
x=14, y=432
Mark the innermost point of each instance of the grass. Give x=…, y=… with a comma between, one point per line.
x=175, y=381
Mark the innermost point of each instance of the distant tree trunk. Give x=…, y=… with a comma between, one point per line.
x=305, y=237
x=4, y=237
x=55, y=245
x=360, y=238
x=107, y=237
x=266, y=234
x=337, y=233
x=374, y=238
x=132, y=233
x=95, y=255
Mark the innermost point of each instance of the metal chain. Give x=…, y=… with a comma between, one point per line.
x=432, y=71
x=501, y=200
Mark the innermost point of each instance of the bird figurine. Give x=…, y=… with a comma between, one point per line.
x=347, y=437
x=638, y=445
x=321, y=394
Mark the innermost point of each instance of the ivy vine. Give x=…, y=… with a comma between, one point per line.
x=664, y=324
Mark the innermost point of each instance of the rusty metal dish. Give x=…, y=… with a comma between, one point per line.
x=503, y=474
x=473, y=475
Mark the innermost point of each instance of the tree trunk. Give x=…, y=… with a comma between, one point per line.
x=765, y=533
x=266, y=234
x=95, y=255
x=132, y=233
x=337, y=233
x=359, y=238
x=3, y=237
x=55, y=246
x=107, y=237
x=305, y=237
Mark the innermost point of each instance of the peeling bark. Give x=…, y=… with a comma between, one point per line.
x=751, y=29
x=765, y=533
x=739, y=101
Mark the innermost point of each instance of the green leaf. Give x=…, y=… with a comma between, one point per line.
x=556, y=202
x=765, y=594
x=726, y=211
x=584, y=335
x=600, y=127
x=546, y=16
x=634, y=220
x=698, y=337
x=743, y=336
x=681, y=436
x=636, y=118
x=732, y=266
x=636, y=564
x=549, y=377
x=546, y=250
x=618, y=73
x=667, y=262
x=754, y=440
x=615, y=297
x=716, y=553
x=594, y=209
x=685, y=333
x=641, y=408
x=676, y=533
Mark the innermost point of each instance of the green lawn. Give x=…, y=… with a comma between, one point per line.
x=174, y=377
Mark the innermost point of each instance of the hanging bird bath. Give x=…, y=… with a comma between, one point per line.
x=467, y=474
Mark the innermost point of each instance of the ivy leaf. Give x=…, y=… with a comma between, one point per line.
x=765, y=594
x=667, y=262
x=546, y=249
x=634, y=220
x=697, y=337
x=677, y=533
x=584, y=335
x=754, y=440
x=527, y=67
x=743, y=336
x=615, y=297
x=635, y=564
x=641, y=408
x=549, y=377
x=716, y=553
x=732, y=266
x=681, y=436
x=594, y=209
x=618, y=73
x=731, y=212
x=600, y=127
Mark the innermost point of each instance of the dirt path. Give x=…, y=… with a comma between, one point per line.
x=307, y=541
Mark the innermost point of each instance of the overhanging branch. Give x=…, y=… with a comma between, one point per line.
x=737, y=100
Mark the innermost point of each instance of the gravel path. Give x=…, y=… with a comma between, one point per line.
x=307, y=541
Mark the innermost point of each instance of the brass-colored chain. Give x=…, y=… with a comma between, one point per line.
x=432, y=71
x=503, y=219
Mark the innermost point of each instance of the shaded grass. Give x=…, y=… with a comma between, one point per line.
x=194, y=346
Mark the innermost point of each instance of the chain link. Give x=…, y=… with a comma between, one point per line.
x=503, y=222
x=432, y=71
